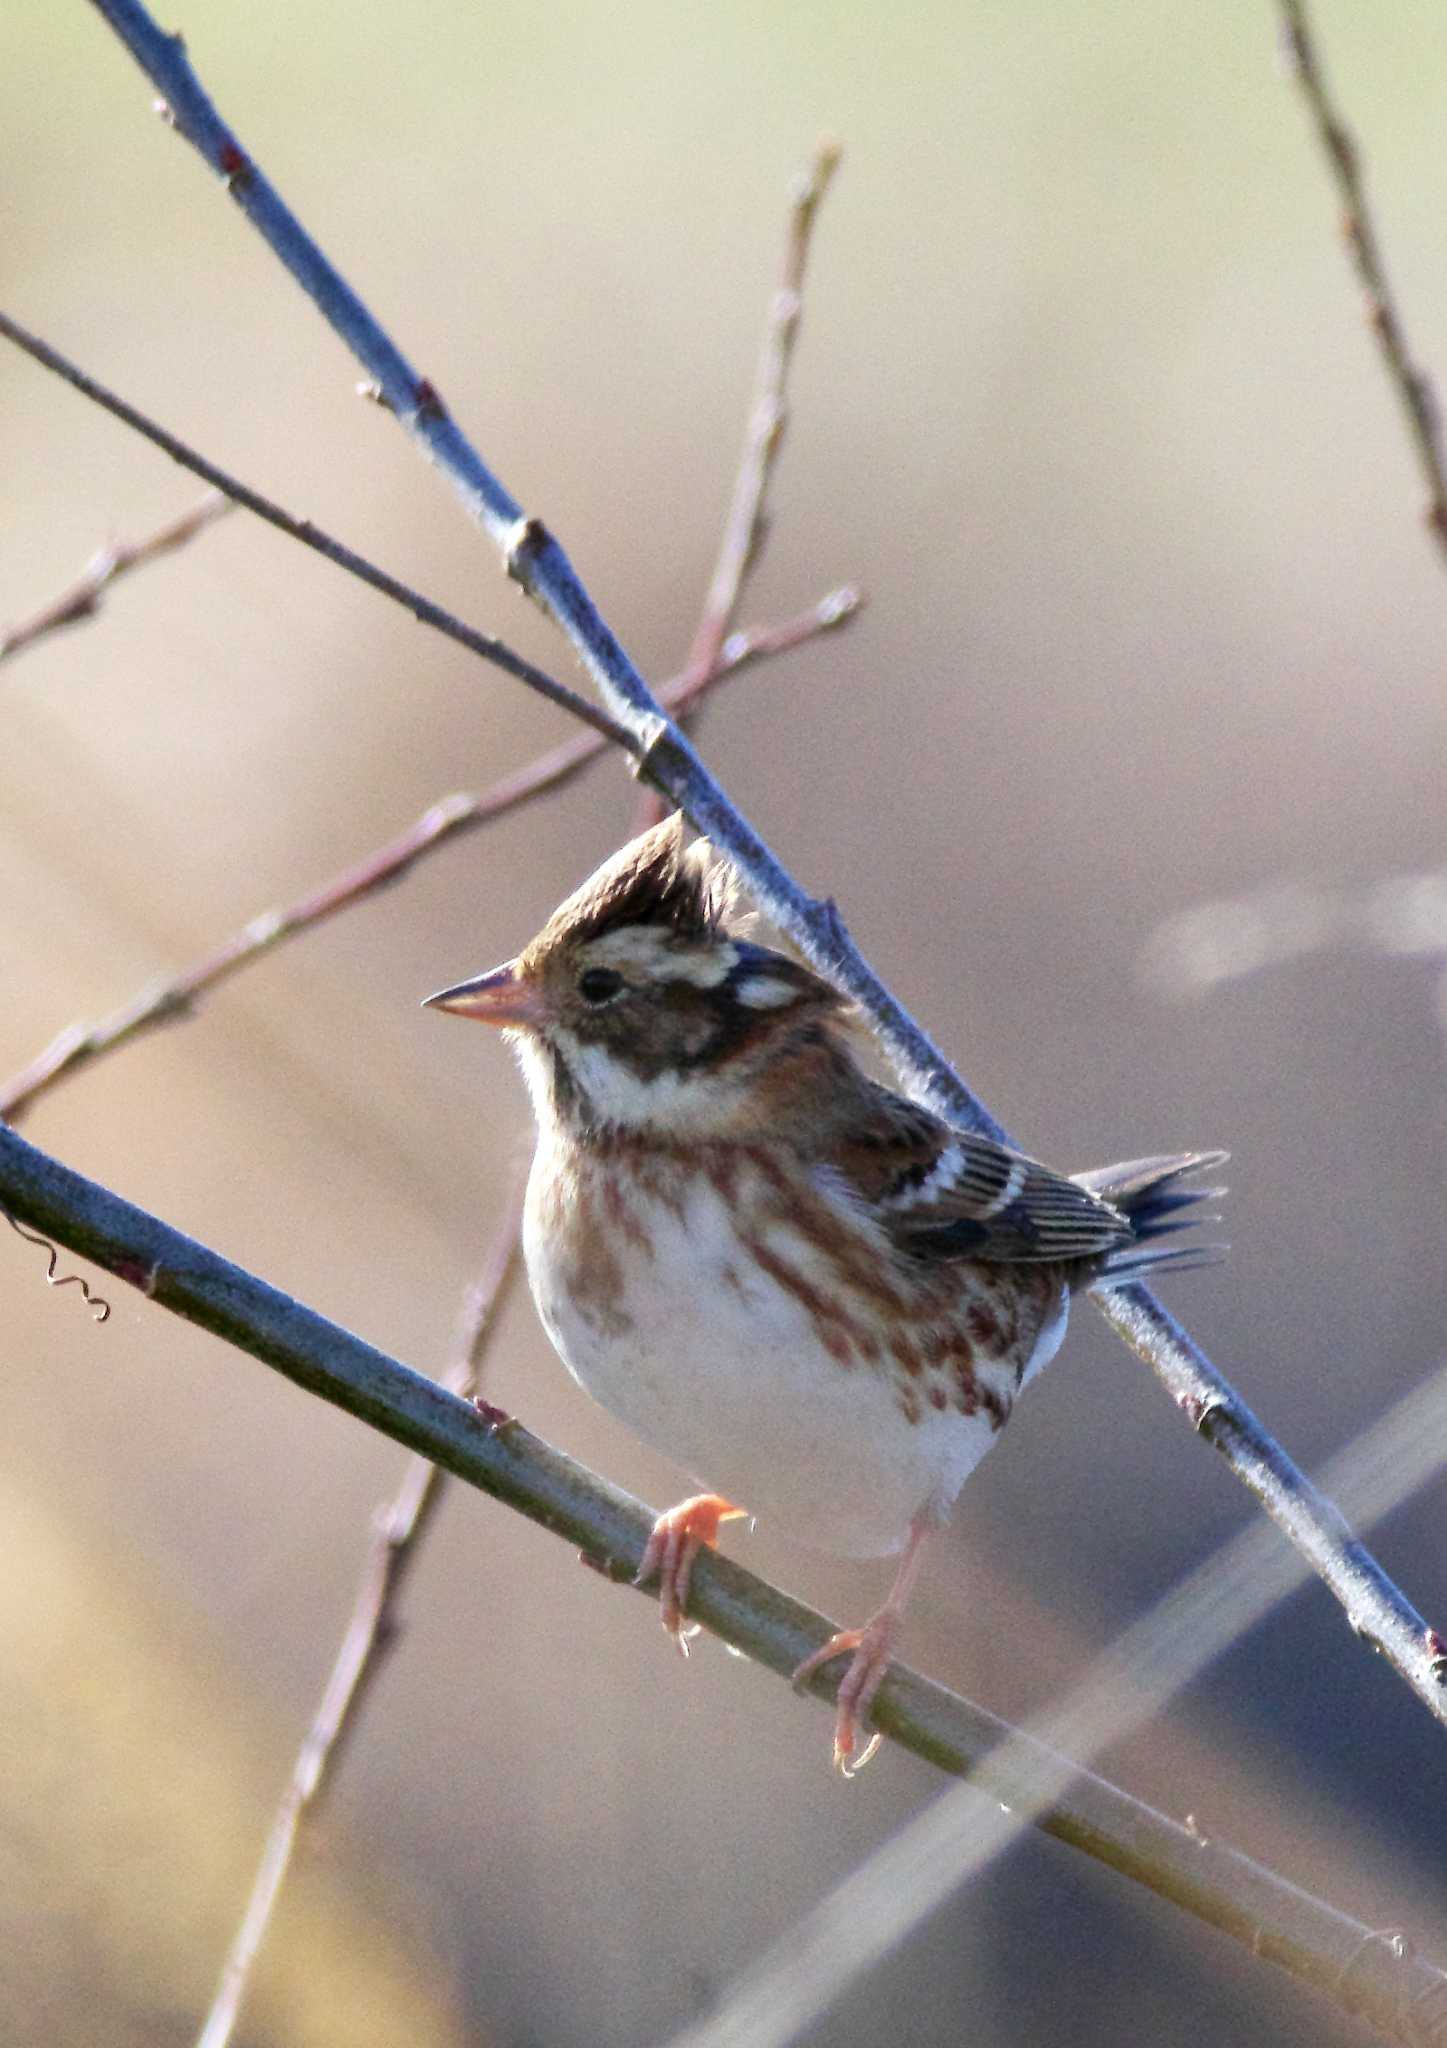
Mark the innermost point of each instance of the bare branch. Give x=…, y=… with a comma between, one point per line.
x=315, y=537
x=1377, y=1608
x=177, y=996
x=1411, y=383
x=502, y=1458
x=745, y=525
x=875, y=1907
x=369, y=1635
x=83, y=599
x=369, y=1632
x=768, y=421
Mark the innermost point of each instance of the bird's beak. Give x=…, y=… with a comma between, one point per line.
x=499, y=998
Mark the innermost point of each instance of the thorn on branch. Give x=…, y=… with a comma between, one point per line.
x=1203, y=1412
x=522, y=547
x=138, y=1273
x=236, y=166
x=495, y=1420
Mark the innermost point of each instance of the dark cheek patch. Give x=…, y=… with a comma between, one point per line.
x=677, y=1028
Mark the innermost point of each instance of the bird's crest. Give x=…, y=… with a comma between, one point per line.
x=654, y=880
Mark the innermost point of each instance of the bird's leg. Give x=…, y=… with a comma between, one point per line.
x=677, y=1538
x=871, y=1648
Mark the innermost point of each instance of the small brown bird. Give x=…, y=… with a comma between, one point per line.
x=811, y=1292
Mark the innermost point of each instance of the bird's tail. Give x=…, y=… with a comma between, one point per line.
x=1148, y=1193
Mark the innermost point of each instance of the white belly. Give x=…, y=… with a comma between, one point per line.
x=715, y=1364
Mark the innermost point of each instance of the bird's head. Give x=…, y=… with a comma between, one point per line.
x=640, y=1005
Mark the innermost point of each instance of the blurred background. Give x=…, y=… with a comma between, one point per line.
x=1129, y=779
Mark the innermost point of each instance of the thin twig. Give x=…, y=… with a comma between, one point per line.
x=177, y=996
x=315, y=537
x=746, y=524
x=538, y=563
x=402, y=1524
x=83, y=599
x=498, y=1455
x=1377, y=1608
x=370, y=1633
x=747, y=521
x=1411, y=383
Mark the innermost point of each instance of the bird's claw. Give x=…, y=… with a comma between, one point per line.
x=669, y=1554
x=869, y=1650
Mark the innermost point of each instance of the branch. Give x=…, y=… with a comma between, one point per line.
x=1375, y=1606
x=746, y=524
x=1412, y=384
x=83, y=599
x=369, y=1635
x=177, y=996
x=315, y=537
x=538, y=563
x=811, y=1968
x=499, y=1456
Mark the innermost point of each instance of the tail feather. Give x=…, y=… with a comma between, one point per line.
x=1147, y=1192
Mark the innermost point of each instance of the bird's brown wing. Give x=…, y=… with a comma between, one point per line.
x=942, y=1193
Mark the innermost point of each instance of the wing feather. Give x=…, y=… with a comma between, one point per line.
x=943, y=1193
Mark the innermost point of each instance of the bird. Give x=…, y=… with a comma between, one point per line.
x=814, y=1294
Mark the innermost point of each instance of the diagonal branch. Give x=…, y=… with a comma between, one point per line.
x=1376, y=1607
x=538, y=563
x=1265, y=1913
x=813, y=1966
x=1411, y=383
x=369, y=1632
x=177, y=996
x=315, y=537
x=83, y=599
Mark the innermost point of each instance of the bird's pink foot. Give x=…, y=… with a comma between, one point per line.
x=869, y=1650
x=677, y=1538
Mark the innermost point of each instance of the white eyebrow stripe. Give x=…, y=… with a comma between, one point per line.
x=649, y=951
x=703, y=967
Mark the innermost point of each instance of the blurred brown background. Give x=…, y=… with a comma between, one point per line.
x=1086, y=401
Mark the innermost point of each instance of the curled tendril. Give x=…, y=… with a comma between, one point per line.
x=99, y=1306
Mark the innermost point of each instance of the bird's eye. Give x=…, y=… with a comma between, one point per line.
x=599, y=984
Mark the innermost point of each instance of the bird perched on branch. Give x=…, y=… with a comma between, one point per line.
x=814, y=1294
